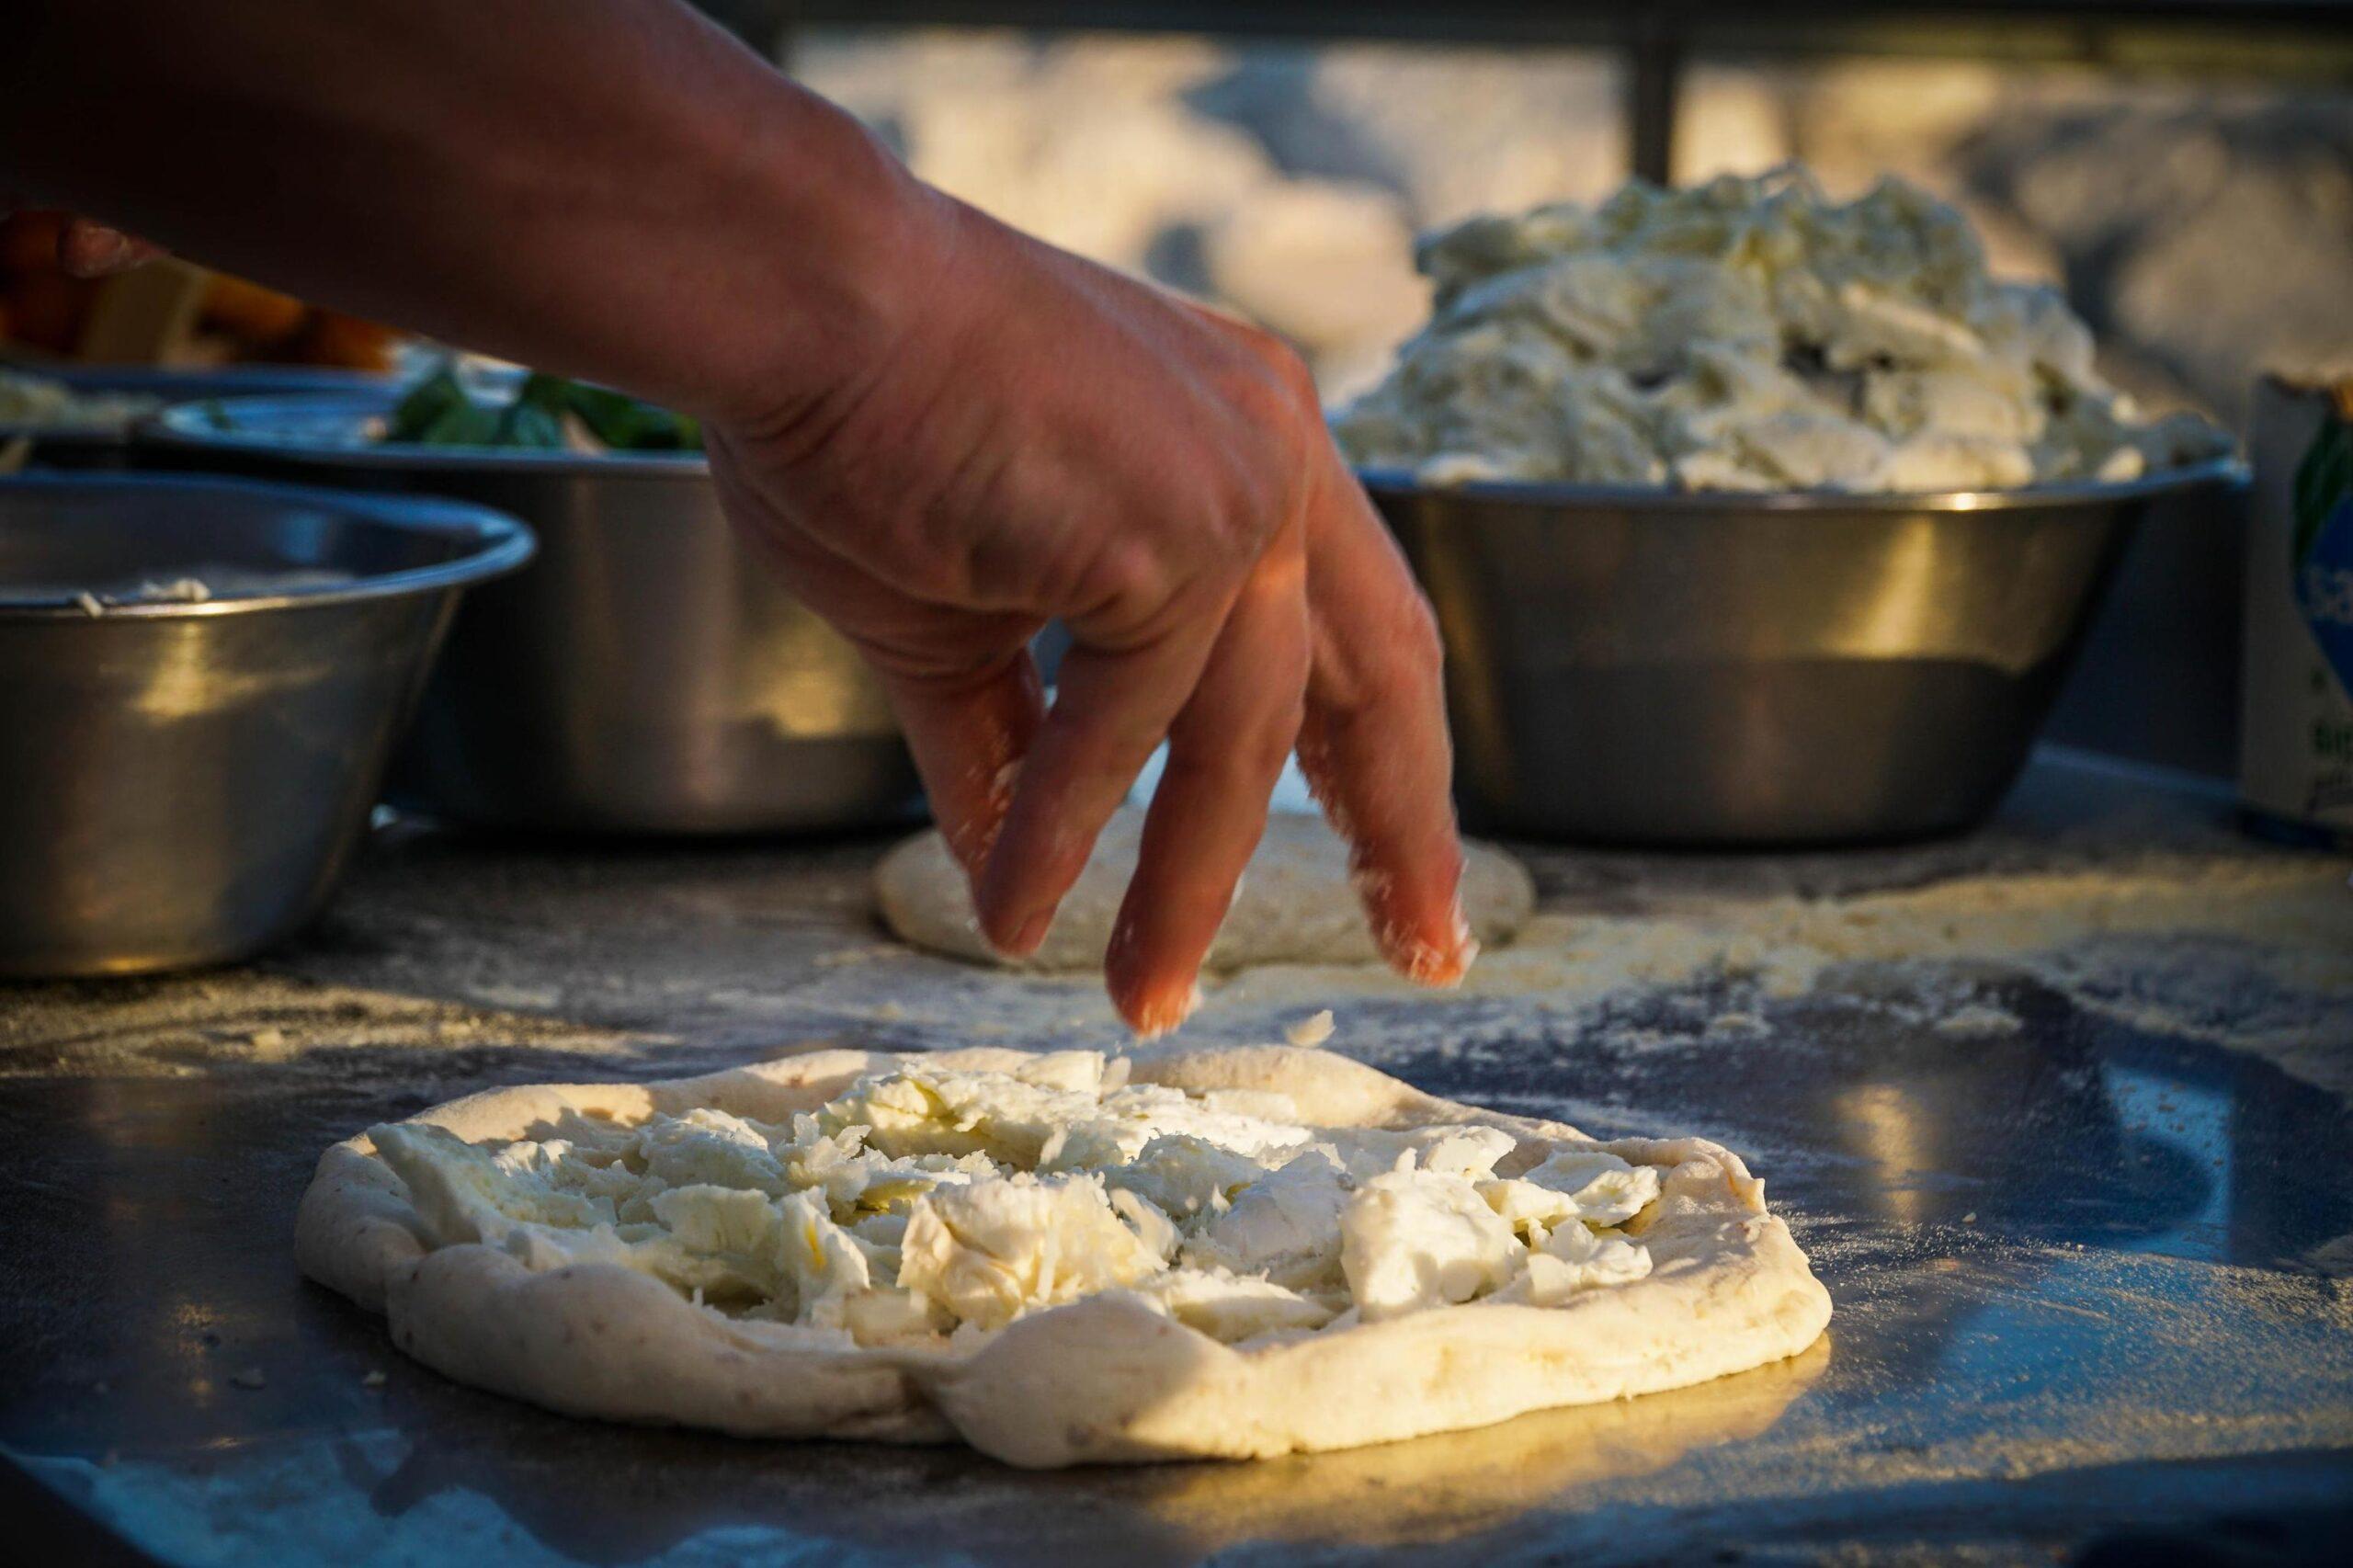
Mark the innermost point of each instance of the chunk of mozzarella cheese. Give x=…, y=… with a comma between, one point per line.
x=1412, y=1240
x=1229, y=1308
x=1285, y=1226
x=1572, y=1260
x=991, y=1250
x=1603, y=1189
x=1469, y=1151
x=1185, y=1175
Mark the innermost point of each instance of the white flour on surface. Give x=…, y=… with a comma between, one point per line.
x=181, y=1027
x=2132, y=905
x=2257, y=954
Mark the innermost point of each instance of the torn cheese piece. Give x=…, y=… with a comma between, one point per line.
x=1412, y=1240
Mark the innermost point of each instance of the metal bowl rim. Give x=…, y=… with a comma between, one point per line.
x=159, y=381
x=501, y=545
x=2230, y=472
x=180, y=427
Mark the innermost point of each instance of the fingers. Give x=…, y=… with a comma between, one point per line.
x=86, y=249
x=1225, y=751
x=969, y=736
x=1373, y=743
x=1112, y=706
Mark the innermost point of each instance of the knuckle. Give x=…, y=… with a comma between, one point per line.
x=1422, y=643
x=1244, y=764
x=1263, y=483
x=1125, y=577
x=1251, y=500
x=1273, y=385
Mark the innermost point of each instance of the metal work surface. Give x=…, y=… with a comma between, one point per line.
x=2082, y=1226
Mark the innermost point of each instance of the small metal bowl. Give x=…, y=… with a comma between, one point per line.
x=1644, y=666
x=648, y=674
x=108, y=446
x=182, y=783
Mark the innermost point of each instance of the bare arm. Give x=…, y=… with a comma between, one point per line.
x=947, y=433
x=585, y=185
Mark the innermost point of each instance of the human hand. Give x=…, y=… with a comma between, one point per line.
x=1039, y=439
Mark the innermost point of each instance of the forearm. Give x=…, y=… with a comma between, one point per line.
x=612, y=188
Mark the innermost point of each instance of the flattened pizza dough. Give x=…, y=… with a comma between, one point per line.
x=1295, y=904
x=1234, y=1254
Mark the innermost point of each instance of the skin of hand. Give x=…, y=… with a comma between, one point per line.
x=944, y=433
x=1043, y=439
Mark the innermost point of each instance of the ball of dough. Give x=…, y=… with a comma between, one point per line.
x=1294, y=905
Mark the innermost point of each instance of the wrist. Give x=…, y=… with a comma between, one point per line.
x=855, y=247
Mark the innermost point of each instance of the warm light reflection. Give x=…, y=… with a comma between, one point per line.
x=806, y=682
x=1891, y=1127
x=188, y=675
x=1908, y=592
x=1433, y=1489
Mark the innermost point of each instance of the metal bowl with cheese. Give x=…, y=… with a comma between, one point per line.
x=1751, y=517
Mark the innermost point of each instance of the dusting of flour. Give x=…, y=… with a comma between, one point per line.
x=2252, y=954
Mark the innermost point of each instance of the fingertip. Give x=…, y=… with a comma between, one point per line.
x=1440, y=968
x=1028, y=936
x=1016, y=931
x=1150, y=1008
x=1434, y=952
x=1161, y=1014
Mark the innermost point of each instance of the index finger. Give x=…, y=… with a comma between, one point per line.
x=1374, y=744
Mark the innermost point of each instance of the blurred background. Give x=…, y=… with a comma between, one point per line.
x=1286, y=179
x=2184, y=170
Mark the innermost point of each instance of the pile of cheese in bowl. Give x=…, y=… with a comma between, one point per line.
x=1751, y=334
x=929, y=1204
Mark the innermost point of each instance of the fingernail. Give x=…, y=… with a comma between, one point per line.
x=1156, y=1019
x=1425, y=965
x=1430, y=964
x=1031, y=935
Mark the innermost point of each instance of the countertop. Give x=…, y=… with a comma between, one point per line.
x=2059, y=1110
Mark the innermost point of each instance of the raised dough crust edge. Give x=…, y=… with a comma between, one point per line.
x=1101, y=1379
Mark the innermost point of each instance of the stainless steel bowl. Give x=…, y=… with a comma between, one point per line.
x=182, y=783
x=109, y=447
x=1644, y=666
x=647, y=674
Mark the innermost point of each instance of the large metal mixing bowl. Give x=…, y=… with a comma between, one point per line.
x=1644, y=666
x=646, y=674
x=182, y=783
